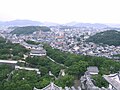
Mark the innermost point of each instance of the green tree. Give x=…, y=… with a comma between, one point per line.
x=100, y=81
x=66, y=80
x=78, y=68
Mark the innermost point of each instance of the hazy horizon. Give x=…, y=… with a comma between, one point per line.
x=61, y=11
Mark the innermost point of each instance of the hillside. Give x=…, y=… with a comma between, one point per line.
x=29, y=29
x=110, y=37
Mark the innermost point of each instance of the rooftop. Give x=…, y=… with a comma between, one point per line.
x=114, y=80
x=93, y=69
x=51, y=86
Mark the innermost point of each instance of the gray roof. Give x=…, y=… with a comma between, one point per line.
x=37, y=51
x=111, y=81
x=52, y=86
x=93, y=69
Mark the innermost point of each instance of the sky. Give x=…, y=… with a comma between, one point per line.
x=61, y=11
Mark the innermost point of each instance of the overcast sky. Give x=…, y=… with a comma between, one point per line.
x=61, y=11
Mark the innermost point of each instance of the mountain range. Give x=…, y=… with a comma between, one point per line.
x=95, y=25
x=27, y=23
x=37, y=23
x=20, y=23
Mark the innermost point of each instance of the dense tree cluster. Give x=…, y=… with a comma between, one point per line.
x=66, y=80
x=32, y=42
x=11, y=51
x=25, y=80
x=4, y=71
x=110, y=37
x=44, y=64
x=100, y=81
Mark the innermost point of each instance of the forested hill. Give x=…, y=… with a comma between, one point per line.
x=110, y=37
x=29, y=29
